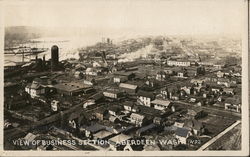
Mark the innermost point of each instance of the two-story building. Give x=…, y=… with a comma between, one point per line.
x=161, y=104
x=145, y=98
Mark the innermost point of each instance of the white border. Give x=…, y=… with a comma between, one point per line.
x=245, y=113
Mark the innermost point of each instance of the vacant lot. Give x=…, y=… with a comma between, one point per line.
x=230, y=141
x=215, y=124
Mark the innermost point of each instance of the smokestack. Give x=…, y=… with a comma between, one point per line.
x=54, y=57
x=44, y=62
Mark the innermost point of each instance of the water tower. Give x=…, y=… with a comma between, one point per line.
x=54, y=57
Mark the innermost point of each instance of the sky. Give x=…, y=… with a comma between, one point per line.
x=133, y=16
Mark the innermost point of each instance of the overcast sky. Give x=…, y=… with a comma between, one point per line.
x=149, y=16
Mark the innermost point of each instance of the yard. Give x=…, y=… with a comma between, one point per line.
x=215, y=124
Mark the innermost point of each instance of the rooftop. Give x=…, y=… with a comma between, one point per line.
x=123, y=73
x=146, y=94
x=161, y=102
x=137, y=116
x=113, y=90
x=182, y=132
x=71, y=86
x=94, y=128
x=126, y=85
x=102, y=134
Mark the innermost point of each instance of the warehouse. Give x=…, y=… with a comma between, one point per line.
x=71, y=88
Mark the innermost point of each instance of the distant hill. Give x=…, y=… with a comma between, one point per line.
x=20, y=34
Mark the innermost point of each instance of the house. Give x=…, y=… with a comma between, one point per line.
x=195, y=113
x=89, y=82
x=161, y=104
x=78, y=75
x=173, y=92
x=175, y=97
x=119, y=142
x=35, y=89
x=101, y=113
x=197, y=82
x=137, y=119
x=220, y=74
x=178, y=124
x=196, y=127
x=127, y=75
x=75, y=119
x=224, y=81
x=206, y=94
x=96, y=98
x=113, y=119
x=193, y=99
x=54, y=105
x=113, y=93
x=150, y=84
x=92, y=129
x=114, y=110
x=145, y=98
x=198, y=89
x=158, y=120
x=228, y=91
x=119, y=79
x=211, y=79
x=92, y=72
x=88, y=103
x=221, y=98
x=130, y=106
x=96, y=64
x=164, y=93
x=182, y=134
x=161, y=76
x=169, y=71
x=215, y=88
x=219, y=66
x=128, y=88
x=233, y=104
x=168, y=92
x=182, y=74
x=188, y=89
